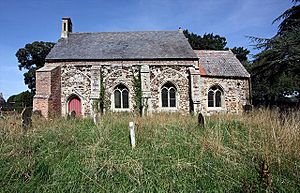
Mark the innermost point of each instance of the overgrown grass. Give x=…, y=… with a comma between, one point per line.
x=173, y=154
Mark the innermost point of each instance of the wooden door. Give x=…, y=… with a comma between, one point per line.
x=74, y=105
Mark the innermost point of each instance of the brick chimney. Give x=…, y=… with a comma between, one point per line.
x=66, y=27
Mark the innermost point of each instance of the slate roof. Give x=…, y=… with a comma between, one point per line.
x=123, y=45
x=220, y=63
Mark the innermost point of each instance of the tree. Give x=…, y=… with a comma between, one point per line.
x=215, y=42
x=21, y=100
x=31, y=58
x=241, y=54
x=289, y=19
x=206, y=42
x=276, y=69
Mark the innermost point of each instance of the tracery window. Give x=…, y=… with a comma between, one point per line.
x=214, y=96
x=121, y=97
x=168, y=95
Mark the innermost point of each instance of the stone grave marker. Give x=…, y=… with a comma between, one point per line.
x=37, y=113
x=201, y=120
x=26, y=118
x=73, y=114
x=247, y=108
x=1, y=116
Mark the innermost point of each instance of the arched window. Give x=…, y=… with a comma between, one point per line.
x=168, y=95
x=214, y=96
x=121, y=97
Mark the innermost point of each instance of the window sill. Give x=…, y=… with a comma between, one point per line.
x=215, y=108
x=168, y=109
x=121, y=110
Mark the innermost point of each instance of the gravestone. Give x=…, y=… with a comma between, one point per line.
x=201, y=120
x=247, y=108
x=265, y=174
x=37, y=113
x=26, y=118
x=73, y=114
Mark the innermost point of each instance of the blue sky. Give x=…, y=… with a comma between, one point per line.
x=26, y=21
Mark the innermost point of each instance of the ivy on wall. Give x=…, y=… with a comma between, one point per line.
x=137, y=85
x=98, y=105
x=102, y=93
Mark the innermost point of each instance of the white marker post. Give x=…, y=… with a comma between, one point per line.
x=95, y=118
x=132, y=134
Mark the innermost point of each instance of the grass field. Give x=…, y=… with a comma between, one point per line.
x=248, y=153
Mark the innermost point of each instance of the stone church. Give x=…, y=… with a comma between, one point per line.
x=84, y=69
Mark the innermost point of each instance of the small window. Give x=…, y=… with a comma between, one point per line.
x=172, y=93
x=211, y=98
x=164, y=97
x=214, y=96
x=121, y=97
x=168, y=95
x=117, y=99
x=218, y=95
x=125, y=98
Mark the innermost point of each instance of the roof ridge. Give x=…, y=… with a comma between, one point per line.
x=123, y=45
x=124, y=31
x=212, y=50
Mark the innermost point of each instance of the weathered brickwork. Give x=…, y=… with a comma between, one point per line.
x=48, y=90
x=235, y=94
x=55, y=102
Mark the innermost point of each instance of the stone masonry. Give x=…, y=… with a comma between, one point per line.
x=235, y=94
x=83, y=80
x=48, y=90
x=57, y=83
x=80, y=63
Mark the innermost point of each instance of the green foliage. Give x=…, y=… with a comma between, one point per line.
x=172, y=155
x=241, y=54
x=215, y=42
x=290, y=19
x=137, y=84
x=31, y=58
x=206, y=42
x=99, y=104
x=19, y=101
x=276, y=69
x=102, y=93
x=96, y=106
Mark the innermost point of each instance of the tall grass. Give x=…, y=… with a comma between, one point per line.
x=173, y=154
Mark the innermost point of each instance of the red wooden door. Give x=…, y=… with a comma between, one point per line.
x=75, y=105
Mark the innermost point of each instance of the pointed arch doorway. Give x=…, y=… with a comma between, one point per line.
x=74, y=105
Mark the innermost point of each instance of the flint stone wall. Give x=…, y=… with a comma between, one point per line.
x=57, y=82
x=179, y=76
x=83, y=80
x=235, y=94
x=76, y=80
